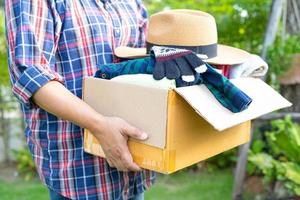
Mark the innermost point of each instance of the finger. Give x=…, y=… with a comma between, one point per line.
x=201, y=69
x=133, y=132
x=159, y=71
x=172, y=71
x=120, y=166
x=116, y=163
x=188, y=78
x=181, y=83
x=128, y=162
x=124, y=161
x=110, y=157
x=110, y=163
x=113, y=157
x=194, y=60
x=184, y=66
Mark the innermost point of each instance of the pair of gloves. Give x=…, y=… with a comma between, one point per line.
x=163, y=62
x=175, y=63
x=186, y=68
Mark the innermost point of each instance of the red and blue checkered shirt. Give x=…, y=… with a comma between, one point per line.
x=65, y=40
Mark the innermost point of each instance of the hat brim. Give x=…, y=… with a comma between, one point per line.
x=226, y=55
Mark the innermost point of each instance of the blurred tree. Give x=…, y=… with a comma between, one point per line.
x=292, y=18
x=243, y=24
x=4, y=77
x=240, y=23
x=7, y=102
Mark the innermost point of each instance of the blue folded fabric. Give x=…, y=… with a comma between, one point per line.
x=230, y=96
x=135, y=66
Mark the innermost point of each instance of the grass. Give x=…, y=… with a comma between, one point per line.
x=23, y=190
x=184, y=185
x=215, y=185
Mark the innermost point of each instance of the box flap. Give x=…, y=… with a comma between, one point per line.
x=143, y=107
x=265, y=100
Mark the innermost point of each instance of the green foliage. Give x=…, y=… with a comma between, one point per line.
x=285, y=140
x=280, y=57
x=265, y=164
x=282, y=162
x=4, y=77
x=240, y=23
x=222, y=161
x=21, y=190
x=178, y=186
x=193, y=186
x=25, y=164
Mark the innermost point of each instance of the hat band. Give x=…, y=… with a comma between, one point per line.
x=209, y=50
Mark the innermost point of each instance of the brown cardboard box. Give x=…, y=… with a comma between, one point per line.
x=185, y=125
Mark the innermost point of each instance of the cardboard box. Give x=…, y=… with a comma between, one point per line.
x=185, y=125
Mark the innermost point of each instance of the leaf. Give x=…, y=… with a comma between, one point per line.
x=264, y=162
x=257, y=146
x=292, y=172
x=297, y=190
x=284, y=139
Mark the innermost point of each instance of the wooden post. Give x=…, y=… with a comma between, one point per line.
x=240, y=171
x=274, y=19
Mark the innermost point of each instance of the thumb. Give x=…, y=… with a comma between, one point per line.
x=134, y=132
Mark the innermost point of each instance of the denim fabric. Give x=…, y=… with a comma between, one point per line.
x=56, y=196
x=139, y=196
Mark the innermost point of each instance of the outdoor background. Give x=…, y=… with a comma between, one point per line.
x=273, y=169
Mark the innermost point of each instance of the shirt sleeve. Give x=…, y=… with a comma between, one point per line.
x=32, y=30
x=143, y=22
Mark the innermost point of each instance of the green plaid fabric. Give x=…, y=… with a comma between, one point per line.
x=227, y=94
x=136, y=66
x=230, y=96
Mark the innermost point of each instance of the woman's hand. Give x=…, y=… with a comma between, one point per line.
x=111, y=131
x=113, y=134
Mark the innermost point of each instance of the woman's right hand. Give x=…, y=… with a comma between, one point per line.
x=113, y=134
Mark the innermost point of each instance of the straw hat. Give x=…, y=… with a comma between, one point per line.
x=188, y=29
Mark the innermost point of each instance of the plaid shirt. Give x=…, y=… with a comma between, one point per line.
x=64, y=40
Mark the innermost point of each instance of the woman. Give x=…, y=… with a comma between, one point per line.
x=52, y=45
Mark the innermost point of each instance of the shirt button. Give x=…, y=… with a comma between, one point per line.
x=103, y=75
x=117, y=32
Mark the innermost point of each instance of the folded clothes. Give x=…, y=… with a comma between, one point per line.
x=224, y=91
x=230, y=96
x=223, y=69
x=255, y=66
x=146, y=80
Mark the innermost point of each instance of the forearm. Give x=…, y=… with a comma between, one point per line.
x=56, y=99
x=112, y=132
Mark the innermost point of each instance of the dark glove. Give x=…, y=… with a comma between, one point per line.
x=174, y=63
